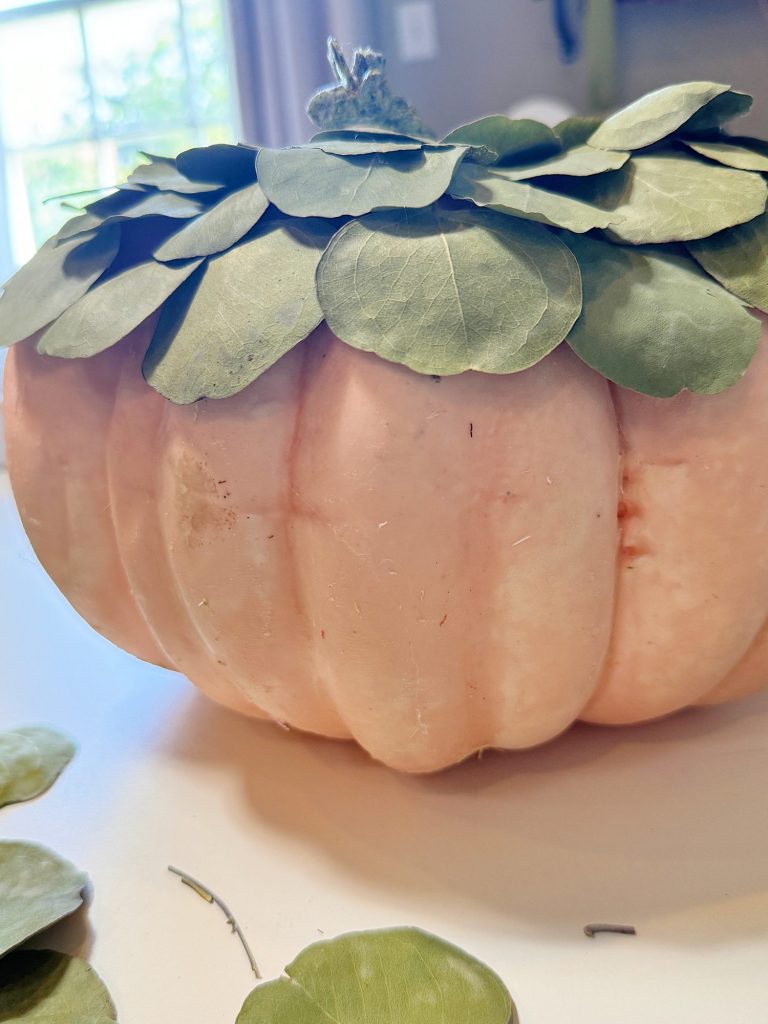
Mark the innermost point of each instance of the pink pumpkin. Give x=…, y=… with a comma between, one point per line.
x=429, y=567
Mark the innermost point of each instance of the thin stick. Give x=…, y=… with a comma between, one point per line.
x=210, y=897
x=621, y=929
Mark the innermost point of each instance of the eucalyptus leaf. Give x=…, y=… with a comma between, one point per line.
x=43, y=987
x=738, y=259
x=149, y=204
x=31, y=759
x=728, y=151
x=574, y=131
x=448, y=290
x=398, y=976
x=505, y=139
x=307, y=182
x=37, y=888
x=361, y=146
x=653, y=322
x=232, y=166
x=718, y=112
x=226, y=327
x=168, y=178
x=498, y=189
x=666, y=197
x=110, y=311
x=655, y=116
x=578, y=162
x=54, y=279
x=218, y=228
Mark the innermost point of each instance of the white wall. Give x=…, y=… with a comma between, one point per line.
x=495, y=52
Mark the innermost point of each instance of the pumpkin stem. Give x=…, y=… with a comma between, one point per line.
x=210, y=897
x=361, y=97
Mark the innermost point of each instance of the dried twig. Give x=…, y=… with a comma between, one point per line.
x=591, y=930
x=210, y=897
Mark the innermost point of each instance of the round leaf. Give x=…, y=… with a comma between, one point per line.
x=495, y=187
x=149, y=204
x=362, y=143
x=738, y=259
x=110, y=311
x=307, y=182
x=402, y=975
x=37, y=889
x=579, y=162
x=718, y=112
x=574, y=131
x=444, y=290
x=653, y=322
x=655, y=116
x=167, y=177
x=218, y=228
x=247, y=308
x=730, y=153
x=31, y=759
x=232, y=166
x=54, y=279
x=42, y=987
x=664, y=197
x=503, y=138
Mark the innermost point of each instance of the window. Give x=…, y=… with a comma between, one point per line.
x=85, y=85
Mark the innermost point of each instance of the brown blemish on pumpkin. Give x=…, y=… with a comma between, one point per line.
x=442, y=621
x=198, y=496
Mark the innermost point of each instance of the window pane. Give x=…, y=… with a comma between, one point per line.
x=207, y=56
x=42, y=81
x=137, y=64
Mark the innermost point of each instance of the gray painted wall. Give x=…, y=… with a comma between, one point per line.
x=495, y=52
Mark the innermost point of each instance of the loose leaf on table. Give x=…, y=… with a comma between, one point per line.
x=43, y=987
x=168, y=178
x=37, y=889
x=665, y=197
x=218, y=228
x=225, y=327
x=574, y=131
x=232, y=166
x=110, y=311
x=495, y=188
x=498, y=138
x=655, y=116
x=306, y=182
x=54, y=279
x=749, y=155
x=398, y=976
x=31, y=759
x=653, y=322
x=446, y=290
x=738, y=259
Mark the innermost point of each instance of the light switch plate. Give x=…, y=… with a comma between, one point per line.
x=416, y=24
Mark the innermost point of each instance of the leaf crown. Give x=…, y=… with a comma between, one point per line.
x=640, y=241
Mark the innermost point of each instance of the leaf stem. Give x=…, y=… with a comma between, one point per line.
x=591, y=930
x=210, y=897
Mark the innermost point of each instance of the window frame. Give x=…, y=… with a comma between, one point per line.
x=97, y=133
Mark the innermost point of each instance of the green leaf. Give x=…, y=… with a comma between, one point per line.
x=398, y=976
x=110, y=311
x=149, y=204
x=358, y=145
x=168, y=178
x=574, y=131
x=232, y=166
x=31, y=759
x=218, y=228
x=43, y=987
x=738, y=259
x=226, y=327
x=579, y=162
x=448, y=290
x=504, y=139
x=717, y=112
x=730, y=152
x=665, y=197
x=653, y=322
x=55, y=278
x=655, y=116
x=37, y=888
x=307, y=182
x=496, y=188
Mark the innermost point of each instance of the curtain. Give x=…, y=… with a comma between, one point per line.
x=280, y=60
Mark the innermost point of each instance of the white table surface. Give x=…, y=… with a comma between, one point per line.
x=664, y=827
